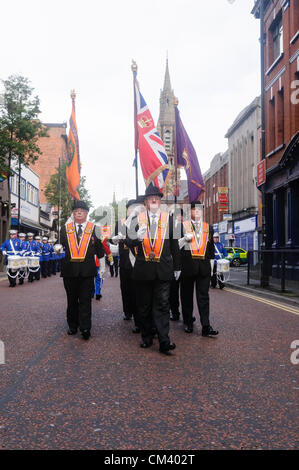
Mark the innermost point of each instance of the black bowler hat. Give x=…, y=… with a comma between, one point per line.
x=80, y=205
x=152, y=190
x=196, y=203
x=131, y=202
x=140, y=200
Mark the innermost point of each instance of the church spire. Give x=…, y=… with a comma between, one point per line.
x=167, y=84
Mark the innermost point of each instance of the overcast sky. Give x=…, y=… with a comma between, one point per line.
x=213, y=53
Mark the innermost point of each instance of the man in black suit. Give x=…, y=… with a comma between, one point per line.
x=79, y=268
x=126, y=263
x=157, y=260
x=197, y=249
x=175, y=285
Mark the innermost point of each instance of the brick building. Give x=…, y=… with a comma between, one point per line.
x=53, y=148
x=216, y=177
x=279, y=22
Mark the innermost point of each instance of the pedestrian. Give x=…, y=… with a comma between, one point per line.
x=81, y=244
x=11, y=247
x=197, y=250
x=100, y=265
x=158, y=257
x=175, y=284
x=220, y=253
x=126, y=264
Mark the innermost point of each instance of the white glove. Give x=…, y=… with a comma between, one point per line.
x=182, y=242
x=141, y=233
x=188, y=237
x=212, y=266
x=177, y=275
x=115, y=239
x=111, y=263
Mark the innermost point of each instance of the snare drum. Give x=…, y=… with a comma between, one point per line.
x=23, y=263
x=33, y=262
x=222, y=266
x=13, y=262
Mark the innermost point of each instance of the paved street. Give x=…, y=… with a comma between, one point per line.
x=237, y=391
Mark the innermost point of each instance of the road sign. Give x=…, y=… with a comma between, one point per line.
x=261, y=172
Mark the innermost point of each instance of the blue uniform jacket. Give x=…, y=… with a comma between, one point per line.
x=46, y=252
x=11, y=250
x=222, y=251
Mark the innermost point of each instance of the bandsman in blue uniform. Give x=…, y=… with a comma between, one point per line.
x=12, y=246
x=220, y=253
x=53, y=257
x=40, y=246
x=33, y=249
x=45, y=258
x=24, y=245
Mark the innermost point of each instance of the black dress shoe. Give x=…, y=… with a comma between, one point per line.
x=98, y=296
x=136, y=329
x=193, y=319
x=145, y=345
x=165, y=349
x=188, y=329
x=71, y=332
x=85, y=334
x=208, y=331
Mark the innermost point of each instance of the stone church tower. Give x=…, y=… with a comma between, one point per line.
x=166, y=128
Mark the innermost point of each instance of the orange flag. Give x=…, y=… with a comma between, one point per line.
x=73, y=157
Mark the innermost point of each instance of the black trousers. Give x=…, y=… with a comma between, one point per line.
x=114, y=267
x=12, y=281
x=44, y=267
x=202, y=285
x=128, y=294
x=174, y=297
x=153, y=307
x=215, y=278
x=78, y=292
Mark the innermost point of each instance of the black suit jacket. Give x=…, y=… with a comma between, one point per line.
x=194, y=267
x=124, y=250
x=170, y=259
x=86, y=268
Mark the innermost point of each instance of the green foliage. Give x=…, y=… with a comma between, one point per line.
x=20, y=127
x=62, y=197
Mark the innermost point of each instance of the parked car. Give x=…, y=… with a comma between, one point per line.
x=237, y=256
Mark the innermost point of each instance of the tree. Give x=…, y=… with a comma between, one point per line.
x=20, y=127
x=58, y=195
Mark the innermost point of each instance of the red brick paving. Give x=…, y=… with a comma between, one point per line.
x=236, y=391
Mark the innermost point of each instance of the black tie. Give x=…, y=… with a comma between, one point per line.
x=79, y=231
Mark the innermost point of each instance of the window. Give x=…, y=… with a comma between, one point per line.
x=239, y=250
x=277, y=37
x=14, y=185
x=32, y=195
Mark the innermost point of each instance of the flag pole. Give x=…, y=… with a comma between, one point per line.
x=176, y=102
x=134, y=70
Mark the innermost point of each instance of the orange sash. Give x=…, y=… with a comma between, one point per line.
x=78, y=252
x=153, y=251
x=198, y=244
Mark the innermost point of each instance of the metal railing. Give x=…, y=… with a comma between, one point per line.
x=277, y=268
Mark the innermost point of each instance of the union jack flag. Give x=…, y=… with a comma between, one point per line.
x=152, y=153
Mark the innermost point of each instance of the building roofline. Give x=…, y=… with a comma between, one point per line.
x=50, y=124
x=243, y=115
